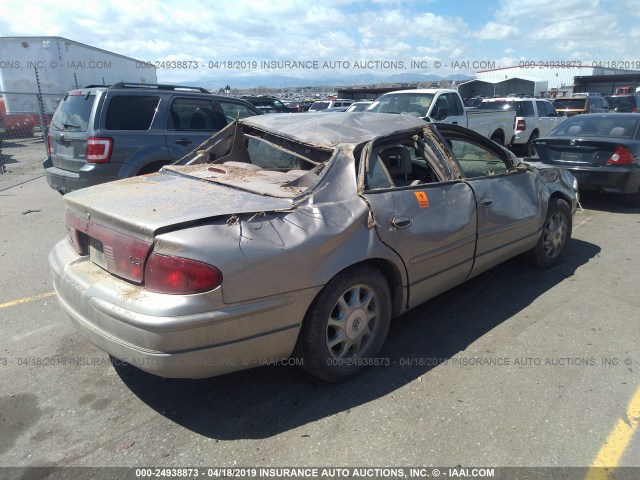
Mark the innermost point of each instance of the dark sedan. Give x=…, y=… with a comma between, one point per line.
x=602, y=150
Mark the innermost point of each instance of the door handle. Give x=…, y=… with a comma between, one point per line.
x=183, y=142
x=487, y=202
x=401, y=222
x=454, y=123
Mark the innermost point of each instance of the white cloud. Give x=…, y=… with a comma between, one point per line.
x=500, y=30
x=496, y=31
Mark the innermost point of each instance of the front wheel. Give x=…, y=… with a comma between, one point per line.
x=556, y=233
x=346, y=325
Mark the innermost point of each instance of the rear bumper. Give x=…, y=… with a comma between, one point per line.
x=520, y=137
x=179, y=336
x=65, y=181
x=607, y=179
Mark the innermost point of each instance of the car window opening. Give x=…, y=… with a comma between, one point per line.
x=401, y=163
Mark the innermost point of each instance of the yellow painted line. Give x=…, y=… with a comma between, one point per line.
x=27, y=299
x=611, y=453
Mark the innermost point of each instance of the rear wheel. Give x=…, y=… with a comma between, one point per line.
x=496, y=137
x=556, y=233
x=346, y=324
x=152, y=167
x=530, y=148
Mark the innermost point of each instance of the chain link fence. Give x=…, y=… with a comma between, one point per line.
x=24, y=122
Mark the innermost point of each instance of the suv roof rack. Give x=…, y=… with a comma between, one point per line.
x=95, y=86
x=157, y=86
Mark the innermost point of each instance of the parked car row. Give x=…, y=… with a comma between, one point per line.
x=268, y=104
x=99, y=134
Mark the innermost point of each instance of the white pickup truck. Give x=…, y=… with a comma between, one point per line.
x=440, y=105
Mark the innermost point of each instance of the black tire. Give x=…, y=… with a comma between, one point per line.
x=496, y=137
x=335, y=341
x=530, y=148
x=633, y=199
x=556, y=233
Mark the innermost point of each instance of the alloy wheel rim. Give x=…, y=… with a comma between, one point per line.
x=353, y=322
x=555, y=235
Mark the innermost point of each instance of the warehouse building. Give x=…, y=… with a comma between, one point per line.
x=536, y=80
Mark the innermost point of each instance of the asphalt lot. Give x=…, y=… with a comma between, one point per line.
x=517, y=367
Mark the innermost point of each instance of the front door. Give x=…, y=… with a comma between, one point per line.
x=506, y=198
x=427, y=219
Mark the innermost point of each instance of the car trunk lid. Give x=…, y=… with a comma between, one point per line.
x=115, y=223
x=143, y=206
x=571, y=152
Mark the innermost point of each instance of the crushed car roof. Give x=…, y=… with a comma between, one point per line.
x=332, y=129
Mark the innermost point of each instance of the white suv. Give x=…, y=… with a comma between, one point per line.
x=534, y=118
x=321, y=105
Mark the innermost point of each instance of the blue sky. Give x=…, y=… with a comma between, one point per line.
x=455, y=33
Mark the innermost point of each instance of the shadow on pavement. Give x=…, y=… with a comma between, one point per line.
x=262, y=402
x=606, y=202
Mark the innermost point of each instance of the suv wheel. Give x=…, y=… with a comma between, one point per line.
x=152, y=168
x=530, y=147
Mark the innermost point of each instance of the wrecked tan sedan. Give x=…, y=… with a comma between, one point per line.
x=294, y=235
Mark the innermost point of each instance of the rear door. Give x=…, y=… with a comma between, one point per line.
x=554, y=117
x=189, y=122
x=545, y=121
x=507, y=201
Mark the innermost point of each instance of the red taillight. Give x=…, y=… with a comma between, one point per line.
x=99, y=149
x=49, y=148
x=622, y=156
x=73, y=225
x=521, y=125
x=634, y=110
x=179, y=276
x=116, y=252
